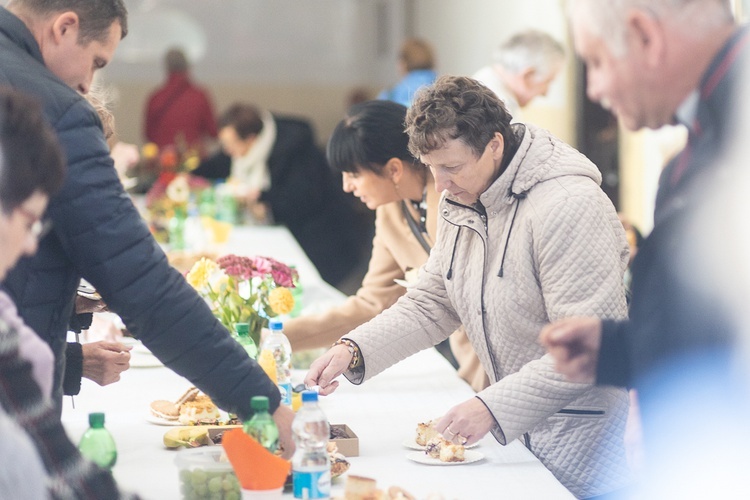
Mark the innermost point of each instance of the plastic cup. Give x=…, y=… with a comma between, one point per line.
x=206, y=470
x=274, y=494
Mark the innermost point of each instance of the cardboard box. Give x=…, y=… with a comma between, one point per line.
x=345, y=439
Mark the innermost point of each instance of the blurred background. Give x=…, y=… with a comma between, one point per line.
x=312, y=58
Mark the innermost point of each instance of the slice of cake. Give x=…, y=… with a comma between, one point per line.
x=425, y=432
x=451, y=452
x=444, y=450
x=199, y=410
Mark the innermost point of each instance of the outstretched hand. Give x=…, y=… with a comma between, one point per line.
x=104, y=361
x=574, y=345
x=466, y=423
x=327, y=368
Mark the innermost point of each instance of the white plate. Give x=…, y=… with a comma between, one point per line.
x=151, y=418
x=140, y=359
x=412, y=444
x=421, y=457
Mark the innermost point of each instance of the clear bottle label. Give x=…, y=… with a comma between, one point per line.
x=286, y=393
x=312, y=483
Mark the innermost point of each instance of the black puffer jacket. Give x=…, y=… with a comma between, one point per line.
x=98, y=234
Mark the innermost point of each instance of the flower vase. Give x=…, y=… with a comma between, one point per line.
x=256, y=324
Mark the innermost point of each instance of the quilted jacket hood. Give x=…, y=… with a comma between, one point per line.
x=548, y=224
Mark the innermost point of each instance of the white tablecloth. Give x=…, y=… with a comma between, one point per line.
x=383, y=413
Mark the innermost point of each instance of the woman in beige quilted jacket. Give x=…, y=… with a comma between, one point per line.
x=525, y=236
x=370, y=148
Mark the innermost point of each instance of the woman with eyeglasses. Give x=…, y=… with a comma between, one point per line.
x=31, y=170
x=525, y=236
x=370, y=149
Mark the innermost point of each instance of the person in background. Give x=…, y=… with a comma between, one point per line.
x=525, y=235
x=656, y=63
x=52, y=51
x=416, y=64
x=39, y=460
x=284, y=175
x=180, y=113
x=523, y=68
x=370, y=148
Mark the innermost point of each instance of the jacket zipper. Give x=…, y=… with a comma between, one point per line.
x=483, y=310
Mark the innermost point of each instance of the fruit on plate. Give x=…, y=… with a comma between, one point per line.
x=187, y=437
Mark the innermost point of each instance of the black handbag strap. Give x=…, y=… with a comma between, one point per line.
x=415, y=228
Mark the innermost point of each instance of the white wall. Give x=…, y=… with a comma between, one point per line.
x=466, y=33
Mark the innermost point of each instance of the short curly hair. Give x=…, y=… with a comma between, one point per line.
x=456, y=107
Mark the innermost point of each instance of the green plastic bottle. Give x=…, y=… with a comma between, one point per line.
x=242, y=331
x=177, y=229
x=261, y=426
x=97, y=443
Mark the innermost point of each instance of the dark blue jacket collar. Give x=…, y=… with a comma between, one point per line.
x=17, y=32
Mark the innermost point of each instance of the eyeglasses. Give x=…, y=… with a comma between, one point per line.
x=39, y=227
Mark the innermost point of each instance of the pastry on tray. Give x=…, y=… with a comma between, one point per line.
x=200, y=410
x=192, y=408
x=444, y=450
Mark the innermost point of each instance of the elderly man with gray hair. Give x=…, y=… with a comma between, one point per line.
x=654, y=63
x=523, y=68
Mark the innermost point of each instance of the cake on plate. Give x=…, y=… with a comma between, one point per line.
x=425, y=432
x=199, y=410
x=444, y=450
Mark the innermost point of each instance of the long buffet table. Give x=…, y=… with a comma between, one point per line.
x=383, y=413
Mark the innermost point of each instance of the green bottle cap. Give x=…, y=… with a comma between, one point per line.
x=259, y=403
x=96, y=420
x=242, y=328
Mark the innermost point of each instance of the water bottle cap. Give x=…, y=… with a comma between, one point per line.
x=242, y=328
x=275, y=325
x=96, y=419
x=259, y=403
x=308, y=396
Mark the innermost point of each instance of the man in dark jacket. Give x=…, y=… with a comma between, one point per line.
x=277, y=161
x=51, y=50
x=656, y=63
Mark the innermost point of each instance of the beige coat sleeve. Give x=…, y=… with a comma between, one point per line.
x=378, y=292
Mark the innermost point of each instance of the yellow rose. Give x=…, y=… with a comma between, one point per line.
x=201, y=272
x=150, y=151
x=191, y=163
x=281, y=300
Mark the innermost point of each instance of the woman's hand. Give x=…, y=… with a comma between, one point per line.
x=328, y=367
x=466, y=423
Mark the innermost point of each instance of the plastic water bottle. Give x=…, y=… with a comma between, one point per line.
x=311, y=467
x=97, y=443
x=194, y=235
x=261, y=426
x=242, y=331
x=279, y=346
